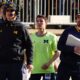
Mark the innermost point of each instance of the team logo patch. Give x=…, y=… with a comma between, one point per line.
x=11, y=5
x=15, y=32
x=45, y=41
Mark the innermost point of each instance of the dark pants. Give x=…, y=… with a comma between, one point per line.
x=67, y=70
x=38, y=77
x=11, y=71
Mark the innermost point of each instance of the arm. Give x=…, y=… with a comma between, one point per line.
x=29, y=55
x=27, y=44
x=55, y=56
x=77, y=50
x=53, y=51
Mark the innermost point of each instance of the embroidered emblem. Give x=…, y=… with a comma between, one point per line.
x=45, y=41
x=15, y=32
x=11, y=5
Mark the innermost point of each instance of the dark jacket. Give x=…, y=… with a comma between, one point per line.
x=67, y=52
x=14, y=40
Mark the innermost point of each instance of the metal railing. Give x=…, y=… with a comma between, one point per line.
x=29, y=9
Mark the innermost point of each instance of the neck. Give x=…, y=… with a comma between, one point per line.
x=41, y=33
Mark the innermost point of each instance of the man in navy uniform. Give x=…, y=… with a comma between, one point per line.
x=14, y=40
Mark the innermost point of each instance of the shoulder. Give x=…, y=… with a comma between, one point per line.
x=69, y=28
x=51, y=34
x=18, y=24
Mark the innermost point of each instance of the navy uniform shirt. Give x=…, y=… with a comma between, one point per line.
x=14, y=40
x=67, y=52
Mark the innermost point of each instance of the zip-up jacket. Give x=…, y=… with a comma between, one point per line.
x=14, y=40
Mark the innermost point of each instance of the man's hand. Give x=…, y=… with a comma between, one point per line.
x=45, y=66
x=77, y=50
x=30, y=67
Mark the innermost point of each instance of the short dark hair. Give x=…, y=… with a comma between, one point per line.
x=42, y=16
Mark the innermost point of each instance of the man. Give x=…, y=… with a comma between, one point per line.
x=70, y=55
x=45, y=51
x=14, y=40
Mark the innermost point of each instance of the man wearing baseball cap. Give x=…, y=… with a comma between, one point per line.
x=14, y=43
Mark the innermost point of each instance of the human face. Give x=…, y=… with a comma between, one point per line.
x=78, y=20
x=40, y=23
x=10, y=15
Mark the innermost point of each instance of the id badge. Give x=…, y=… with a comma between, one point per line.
x=48, y=76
